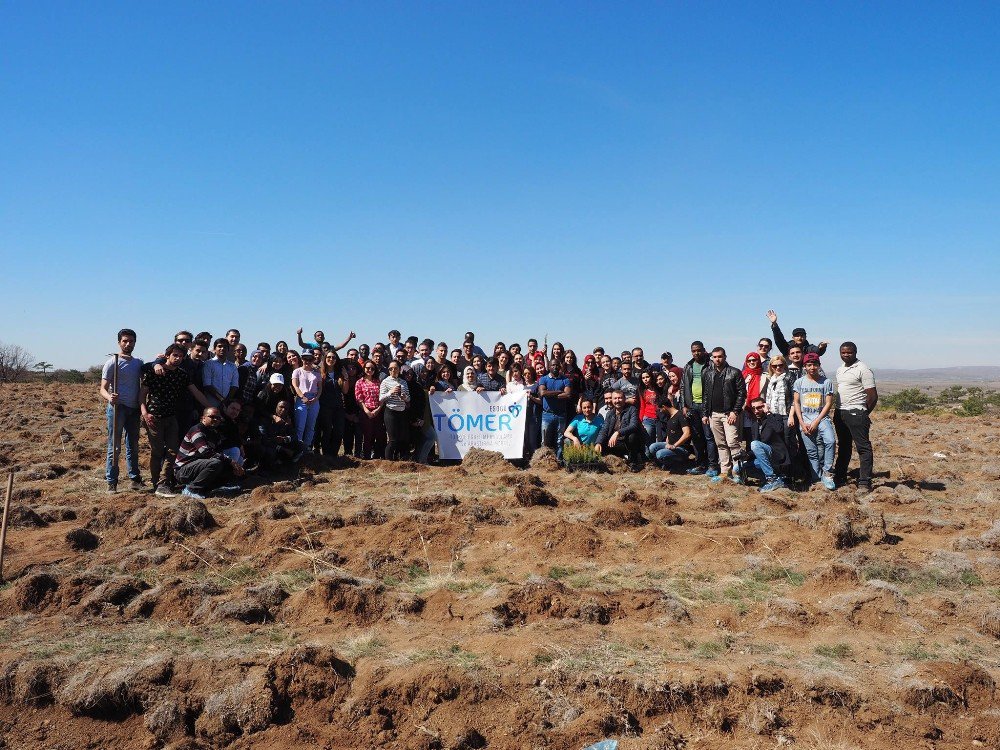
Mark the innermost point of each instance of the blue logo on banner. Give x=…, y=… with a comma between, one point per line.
x=514, y=409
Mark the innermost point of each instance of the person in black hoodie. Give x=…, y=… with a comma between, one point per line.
x=724, y=394
x=798, y=337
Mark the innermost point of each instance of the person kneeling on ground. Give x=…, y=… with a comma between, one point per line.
x=621, y=433
x=275, y=444
x=200, y=465
x=585, y=425
x=672, y=454
x=771, y=457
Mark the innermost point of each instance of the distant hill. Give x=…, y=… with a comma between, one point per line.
x=968, y=375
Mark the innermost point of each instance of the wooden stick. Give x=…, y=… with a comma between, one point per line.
x=115, y=443
x=3, y=524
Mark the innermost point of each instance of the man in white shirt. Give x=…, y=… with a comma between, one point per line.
x=220, y=377
x=858, y=397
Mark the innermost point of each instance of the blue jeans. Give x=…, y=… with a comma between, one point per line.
x=667, y=457
x=649, y=425
x=824, y=442
x=553, y=422
x=305, y=421
x=128, y=423
x=762, y=458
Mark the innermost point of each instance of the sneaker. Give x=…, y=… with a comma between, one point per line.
x=737, y=479
x=717, y=478
x=712, y=473
x=696, y=470
x=112, y=487
x=164, y=490
x=137, y=485
x=229, y=489
x=775, y=483
x=188, y=493
x=828, y=482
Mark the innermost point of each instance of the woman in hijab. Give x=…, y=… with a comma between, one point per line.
x=753, y=376
x=469, y=380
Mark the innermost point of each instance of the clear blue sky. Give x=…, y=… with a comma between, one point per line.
x=616, y=173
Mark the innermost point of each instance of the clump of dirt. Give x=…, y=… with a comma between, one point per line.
x=527, y=495
x=429, y=503
x=23, y=517
x=627, y=517
x=368, y=516
x=275, y=512
x=521, y=478
x=56, y=513
x=856, y=526
x=481, y=461
x=82, y=540
x=544, y=459
x=485, y=514
x=616, y=465
x=186, y=518
x=33, y=591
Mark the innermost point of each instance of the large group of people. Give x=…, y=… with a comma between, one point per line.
x=214, y=410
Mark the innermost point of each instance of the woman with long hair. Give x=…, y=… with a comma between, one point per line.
x=351, y=373
x=331, y=420
x=778, y=392
x=590, y=383
x=646, y=397
x=533, y=412
x=503, y=365
x=445, y=379
x=366, y=391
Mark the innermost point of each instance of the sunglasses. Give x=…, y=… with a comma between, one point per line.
x=182, y=341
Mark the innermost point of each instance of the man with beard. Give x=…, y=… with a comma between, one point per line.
x=200, y=465
x=121, y=391
x=705, y=451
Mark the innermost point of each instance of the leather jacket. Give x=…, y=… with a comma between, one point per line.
x=734, y=389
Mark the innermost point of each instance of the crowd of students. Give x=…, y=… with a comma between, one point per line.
x=213, y=410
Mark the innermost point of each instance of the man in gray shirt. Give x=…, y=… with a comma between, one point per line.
x=122, y=395
x=627, y=384
x=858, y=396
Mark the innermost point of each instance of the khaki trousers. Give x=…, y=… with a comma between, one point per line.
x=727, y=439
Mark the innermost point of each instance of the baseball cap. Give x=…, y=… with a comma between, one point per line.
x=278, y=378
x=811, y=357
x=798, y=331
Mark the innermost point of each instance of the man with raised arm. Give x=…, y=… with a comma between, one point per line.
x=319, y=338
x=798, y=337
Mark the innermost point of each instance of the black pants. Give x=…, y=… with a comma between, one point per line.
x=203, y=475
x=634, y=445
x=397, y=431
x=852, y=428
x=706, y=453
x=329, y=430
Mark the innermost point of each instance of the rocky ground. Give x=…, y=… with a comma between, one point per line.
x=395, y=605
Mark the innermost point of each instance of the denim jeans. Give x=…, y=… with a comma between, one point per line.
x=820, y=448
x=557, y=423
x=649, y=425
x=128, y=423
x=762, y=458
x=305, y=421
x=667, y=457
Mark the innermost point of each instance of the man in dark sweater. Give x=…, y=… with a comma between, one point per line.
x=772, y=457
x=798, y=337
x=621, y=432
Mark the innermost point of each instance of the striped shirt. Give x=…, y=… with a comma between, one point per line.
x=200, y=442
x=396, y=403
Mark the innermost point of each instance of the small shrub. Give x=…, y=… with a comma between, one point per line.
x=581, y=457
x=908, y=400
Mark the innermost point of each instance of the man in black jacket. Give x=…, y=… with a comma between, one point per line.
x=621, y=432
x=724, y=394
x=772, y=457
x=705, y=452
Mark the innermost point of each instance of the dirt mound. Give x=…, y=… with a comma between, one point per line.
x=430, y=503
x=626, y=517
x=544, y=459
x=82, y=540
x=183, y=519
x=527, y=495
x=480, y=461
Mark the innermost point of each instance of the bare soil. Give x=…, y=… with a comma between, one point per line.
x=395, y=605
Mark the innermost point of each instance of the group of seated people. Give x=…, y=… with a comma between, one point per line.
x=214, y=410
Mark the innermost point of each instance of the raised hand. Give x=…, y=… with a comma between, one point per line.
x=772, y=316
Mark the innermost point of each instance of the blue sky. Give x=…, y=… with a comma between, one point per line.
x=622, y=174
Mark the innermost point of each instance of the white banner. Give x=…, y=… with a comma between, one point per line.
x=484, y=420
